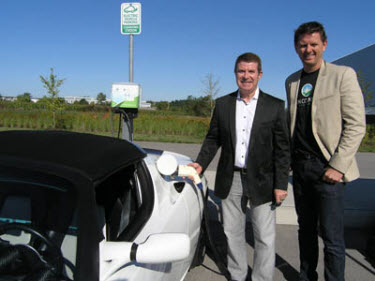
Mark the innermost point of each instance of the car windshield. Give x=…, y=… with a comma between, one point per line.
x=37, y=221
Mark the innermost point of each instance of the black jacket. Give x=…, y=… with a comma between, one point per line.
x=269, y=154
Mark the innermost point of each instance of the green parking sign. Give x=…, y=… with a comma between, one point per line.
x=130, y=18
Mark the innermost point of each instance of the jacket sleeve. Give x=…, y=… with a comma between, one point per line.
x=353, y=121
x=281, y=150
x=211, y=143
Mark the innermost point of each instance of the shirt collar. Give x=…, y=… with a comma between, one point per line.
x=255, y=97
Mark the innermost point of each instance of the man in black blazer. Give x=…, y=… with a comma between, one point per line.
x=250, y=127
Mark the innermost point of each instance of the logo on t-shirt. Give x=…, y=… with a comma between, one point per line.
x=307, y=90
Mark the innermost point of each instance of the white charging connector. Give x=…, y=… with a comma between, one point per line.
x=167, y=165
x=189, y=171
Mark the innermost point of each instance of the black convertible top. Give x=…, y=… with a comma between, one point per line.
x=93, y=156
x=84, y=160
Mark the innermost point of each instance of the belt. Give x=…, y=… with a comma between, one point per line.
x=241, y=170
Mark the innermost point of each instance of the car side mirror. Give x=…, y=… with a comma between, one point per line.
x=156, y=249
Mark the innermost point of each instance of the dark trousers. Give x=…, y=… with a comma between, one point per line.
x=319, y=206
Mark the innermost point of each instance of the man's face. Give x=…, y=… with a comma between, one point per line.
x=310, y=48
x=247, y=77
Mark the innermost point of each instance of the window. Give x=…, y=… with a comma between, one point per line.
x=126, y=197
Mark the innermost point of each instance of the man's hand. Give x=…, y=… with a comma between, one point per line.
x=280, y=195
x=332, y=176
x=197, y=167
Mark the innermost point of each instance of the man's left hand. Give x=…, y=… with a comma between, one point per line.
x=280, y=195
x=332, y=176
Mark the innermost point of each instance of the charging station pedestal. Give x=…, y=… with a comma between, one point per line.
x=126, y=99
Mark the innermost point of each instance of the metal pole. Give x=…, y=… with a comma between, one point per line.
x=131, y=58
x=127, y=126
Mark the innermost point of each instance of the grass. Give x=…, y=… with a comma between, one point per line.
x=148, y=126
x=368, y=142
x=367, y=146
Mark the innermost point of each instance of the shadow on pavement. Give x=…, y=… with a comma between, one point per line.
x=358, y=240
x=360, y=220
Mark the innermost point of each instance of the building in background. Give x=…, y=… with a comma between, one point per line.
x=363, y=62
x=8, y=98
x=73, y=99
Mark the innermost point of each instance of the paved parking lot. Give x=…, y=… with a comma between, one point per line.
x=360, y=225
x=358, y=267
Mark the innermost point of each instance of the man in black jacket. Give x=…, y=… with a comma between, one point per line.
x=249, y=126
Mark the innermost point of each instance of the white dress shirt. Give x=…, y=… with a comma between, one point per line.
x=245, y=112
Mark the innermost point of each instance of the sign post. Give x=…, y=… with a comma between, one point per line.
x=130, y=25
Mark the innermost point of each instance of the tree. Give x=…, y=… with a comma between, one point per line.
x=211, y=88
x=365, y=87
x=25, y=97
x=202, y=106
x=101, y=98
x=83, y=102
x=162, y=105
x=52, y=84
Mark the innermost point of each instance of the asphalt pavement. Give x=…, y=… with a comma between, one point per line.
x=359, y=225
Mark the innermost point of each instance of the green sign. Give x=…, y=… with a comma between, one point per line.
x=130, y=18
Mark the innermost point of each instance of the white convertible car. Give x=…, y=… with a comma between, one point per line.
x=85, y=207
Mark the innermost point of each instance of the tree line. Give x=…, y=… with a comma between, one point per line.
x=195, y=106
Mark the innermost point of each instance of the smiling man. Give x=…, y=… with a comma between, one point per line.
x=250, y=127
x=327, y=123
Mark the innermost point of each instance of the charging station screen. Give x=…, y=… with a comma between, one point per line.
x=125, y=95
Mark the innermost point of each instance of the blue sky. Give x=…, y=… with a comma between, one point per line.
x=181, y=42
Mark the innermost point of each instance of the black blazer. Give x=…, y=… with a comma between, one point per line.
x=269, y=153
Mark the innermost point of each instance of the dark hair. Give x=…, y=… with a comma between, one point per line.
x=248, y=57
x=309, y=28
